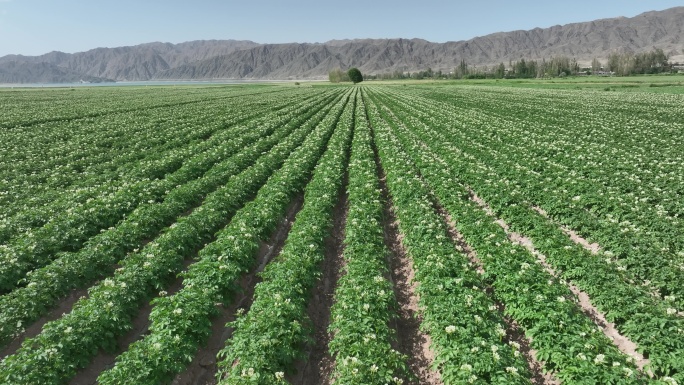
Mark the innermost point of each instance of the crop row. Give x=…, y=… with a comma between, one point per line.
x=69, y=230
x=27, y=108
x=45, y=286
x=650, y=322
x=77, y=149
x=35, y=210
x=144, y=160
x=647, y=179
x=630, y=207
x=42, y=173
x=646, y=320
x=364, y=303
x=467, y=332
x=70, y=342
x=566, y=340
x=637, y=254
x=181, y=322
x=224, y=168
x=268, y=340
x=132, y=144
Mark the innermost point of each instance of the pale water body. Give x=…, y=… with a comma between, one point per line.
x=142, y=84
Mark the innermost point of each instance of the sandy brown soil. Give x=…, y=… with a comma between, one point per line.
x=515, y=334
x=594, y=248
x=318, y=366
x=411, y=341
x=64, y=307
x=513, y=331
x=623, y=343
x=203, y=368
x=140, y=325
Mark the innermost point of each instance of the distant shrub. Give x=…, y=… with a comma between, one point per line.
x=355, y=75
x=337, y=75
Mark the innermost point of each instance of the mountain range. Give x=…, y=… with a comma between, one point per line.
x=233, y=59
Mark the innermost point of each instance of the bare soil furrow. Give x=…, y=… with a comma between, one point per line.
x=624, y=344
x=411, y=340
x=203, y=368
x=64, y=307
x=318, y=366
x=513, y=331
x=515, y=334
x=594, y=248
x=140, y=325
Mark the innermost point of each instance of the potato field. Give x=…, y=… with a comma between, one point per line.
x=370, y=234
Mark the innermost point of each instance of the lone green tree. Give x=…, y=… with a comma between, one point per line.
x=355, y=75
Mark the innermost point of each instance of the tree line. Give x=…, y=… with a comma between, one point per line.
x=352, y=75
x=620, y=64
x=653, y=62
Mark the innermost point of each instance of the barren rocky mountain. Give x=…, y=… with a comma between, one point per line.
x=13, y=72
x=230, y=59
x=140, y=62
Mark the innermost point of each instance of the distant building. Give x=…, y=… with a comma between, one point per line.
x=604, y=73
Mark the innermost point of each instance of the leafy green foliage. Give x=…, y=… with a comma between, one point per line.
x=355, y=75
x=182, y=321
x=337, y=75
x=124, y=191
x=364, y=300
x=270, y=337
x=96, y=259
x=544, y=311
x=106, y=313
x=466, y=330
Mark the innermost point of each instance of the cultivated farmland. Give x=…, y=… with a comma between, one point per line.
x=423, y=234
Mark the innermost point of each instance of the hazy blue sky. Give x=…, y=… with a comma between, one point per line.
x=33, y=27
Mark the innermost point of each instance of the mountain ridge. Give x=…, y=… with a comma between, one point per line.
x=244, y=59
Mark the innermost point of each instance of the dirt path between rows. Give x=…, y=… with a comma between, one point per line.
x=624, y=344
x=513, y=332
x=593, y=248
x=318, y=366
x=203, y=368
x=65, y=306
x=140, y=325
x=411, y=341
